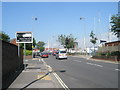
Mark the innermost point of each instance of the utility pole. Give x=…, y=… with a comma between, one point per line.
x=85, y=48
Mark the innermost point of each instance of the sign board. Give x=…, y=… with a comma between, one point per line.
x=24, y=37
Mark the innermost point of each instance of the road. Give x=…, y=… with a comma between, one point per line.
x=83, y=73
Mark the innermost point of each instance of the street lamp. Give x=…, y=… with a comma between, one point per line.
x=34, y=18
x=83, y=18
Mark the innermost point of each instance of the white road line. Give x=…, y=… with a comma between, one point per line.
x=61, y=82
x=98, y=65
x=57, y=77
x=89, y=63
x=117, y=69
x=43, y=62
x=94, y=64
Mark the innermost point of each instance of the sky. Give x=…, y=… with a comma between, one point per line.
x=56, y=18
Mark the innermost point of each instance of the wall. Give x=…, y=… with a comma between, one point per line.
x=11, y=62
x=0, y=64
x=108, y=48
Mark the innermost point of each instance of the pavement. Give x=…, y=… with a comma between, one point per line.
x=35, y=69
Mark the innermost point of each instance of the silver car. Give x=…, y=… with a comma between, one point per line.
x=61, y=54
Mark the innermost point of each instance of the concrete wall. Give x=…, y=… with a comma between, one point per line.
x=11, y=62
x=108, y=48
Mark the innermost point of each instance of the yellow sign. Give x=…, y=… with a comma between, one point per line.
x=32, y=46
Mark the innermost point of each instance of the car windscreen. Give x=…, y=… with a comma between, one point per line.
x=62, y=51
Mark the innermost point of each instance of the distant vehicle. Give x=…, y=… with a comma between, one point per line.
x=61, y=54
x=54, y=52
x=37, y=53
x=44, y=55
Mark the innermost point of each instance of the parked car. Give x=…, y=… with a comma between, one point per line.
x=61, y=54
x=44, y=55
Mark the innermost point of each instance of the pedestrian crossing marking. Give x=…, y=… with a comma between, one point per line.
x=45, y=78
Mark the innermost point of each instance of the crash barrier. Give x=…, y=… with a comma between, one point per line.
x=12, y=64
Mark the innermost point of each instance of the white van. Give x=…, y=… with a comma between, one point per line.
x=61, y=54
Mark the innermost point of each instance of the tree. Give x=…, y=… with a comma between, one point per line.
x=40, y=45
x=115, y=25
x=67, y=41
x=4, y=37
x=93, y=39
x=61, y=39
x=42, y=49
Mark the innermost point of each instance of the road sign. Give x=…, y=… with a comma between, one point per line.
x=24, y=37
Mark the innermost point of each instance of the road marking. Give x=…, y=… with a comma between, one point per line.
x=117, y=69
x=57, y=77
x=94, y=64
x=89, y=63
x=43, y=62
x=45, y=78
x=61, y=82
x=96, y=60
x=98, y=65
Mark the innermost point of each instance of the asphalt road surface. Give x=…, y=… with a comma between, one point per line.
x=83, y=73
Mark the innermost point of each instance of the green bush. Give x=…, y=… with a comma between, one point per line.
x=103, y=54
x=108, y=54
x=115, y=53
x=28, y=52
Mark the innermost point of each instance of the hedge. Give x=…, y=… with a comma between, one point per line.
x=28, y=52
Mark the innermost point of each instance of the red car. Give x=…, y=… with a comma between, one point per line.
x=44, y=54
x=54, y=53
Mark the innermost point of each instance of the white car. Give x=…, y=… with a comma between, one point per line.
x=61, y=54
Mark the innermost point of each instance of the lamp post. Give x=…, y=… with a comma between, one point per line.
x=83, y=18
x=35, y=19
